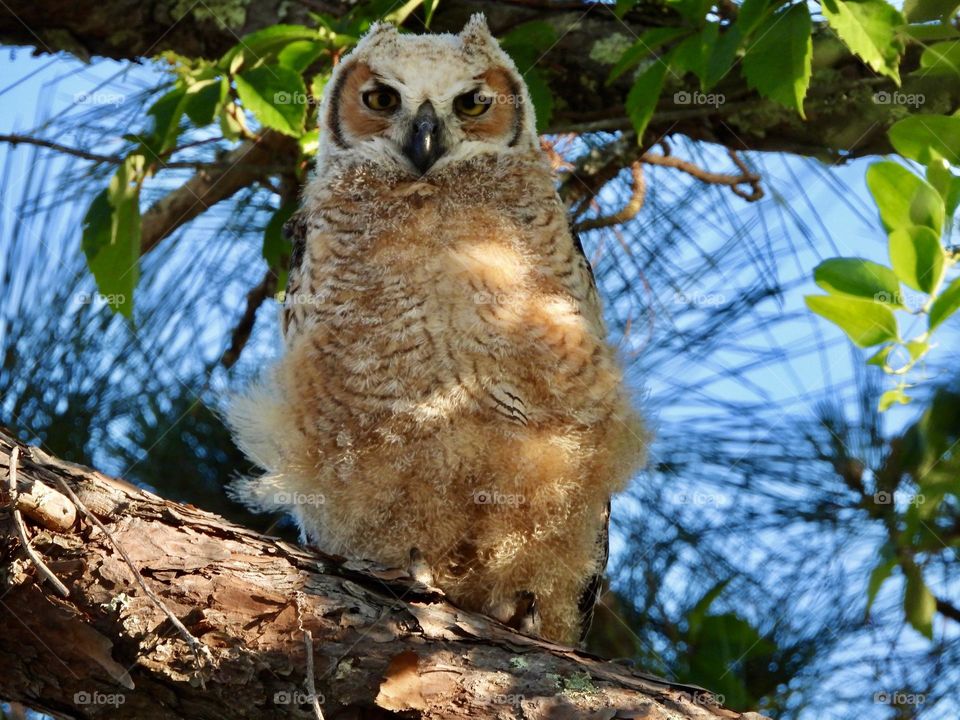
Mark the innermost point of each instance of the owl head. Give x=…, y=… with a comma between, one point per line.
x=419, y=103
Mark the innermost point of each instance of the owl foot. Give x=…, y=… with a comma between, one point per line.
x=526, y=614
x=419, y=568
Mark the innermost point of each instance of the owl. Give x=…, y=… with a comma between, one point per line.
x=446, y=392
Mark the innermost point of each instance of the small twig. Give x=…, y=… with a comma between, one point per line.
x=22, y=528
x=308, y=646
x=638, y=193
x=732, y=181
x=241, y=333
x=118, y=159
x=200, y=650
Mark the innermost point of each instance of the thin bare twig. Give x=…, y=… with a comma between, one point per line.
x=22, y=528
x=118, y=159
x=746, y=177
x=309, y=682
x=638, y=193
x=241, y=333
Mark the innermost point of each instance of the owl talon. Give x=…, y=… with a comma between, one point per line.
x=419, y=568
x=526, y=614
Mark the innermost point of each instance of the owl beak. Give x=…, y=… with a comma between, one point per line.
x=424, y=146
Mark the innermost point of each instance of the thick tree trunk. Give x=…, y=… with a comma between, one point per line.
x=382, y=645
x=843, y=117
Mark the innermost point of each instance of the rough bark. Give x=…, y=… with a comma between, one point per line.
x=383, y=645
x=843, y=118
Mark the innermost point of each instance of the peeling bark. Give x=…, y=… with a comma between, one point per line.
x=843, y=118
x=383, y=645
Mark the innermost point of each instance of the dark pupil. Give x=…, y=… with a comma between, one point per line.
x=383, y=99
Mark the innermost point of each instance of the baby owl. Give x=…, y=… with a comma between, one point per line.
x=446, y=390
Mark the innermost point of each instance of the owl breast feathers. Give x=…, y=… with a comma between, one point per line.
x=446, y=383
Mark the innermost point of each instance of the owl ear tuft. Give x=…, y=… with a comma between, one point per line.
x=379, y=31
x=476, y=31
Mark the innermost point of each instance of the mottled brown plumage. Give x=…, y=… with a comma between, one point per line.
x=446, y=383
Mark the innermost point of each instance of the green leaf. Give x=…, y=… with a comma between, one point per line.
x=925, y=138
x=777, y=63
x=699, y=611
x=929, y=33
x=752, y=13
x=300, y=54
x=917, y=349
x=541, y=96
x=869, y=28
x=917, y=257
x=879, y=358
x=919, y=603
x=880, y=573
x=643, y=96
x=897, y=395
x=204, y=100
x=165, y=113
x=722, y=56
x=276, y=247
x=623, y=6
x=862, y=278
x=693, y=10
x=926, y=10
x=865, y=322
x=946, y=304
x=644, y=46
x=903, y=198
x=537, y=35
x=276, y=96
x=941, y=59
x=429, y=7
x=694, y=53
x=230, y=125
x=111, y=236
x=309, y=142
x=263, y=46
x=945, y=183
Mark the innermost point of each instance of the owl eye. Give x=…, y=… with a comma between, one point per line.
x=381, y=99
x=472, y=104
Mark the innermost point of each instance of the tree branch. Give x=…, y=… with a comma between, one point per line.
x=383, y=645
x=844, y=118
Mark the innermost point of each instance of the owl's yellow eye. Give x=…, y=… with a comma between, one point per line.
x=472, y=104
x=381, y=99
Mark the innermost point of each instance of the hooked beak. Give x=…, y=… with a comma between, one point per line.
x=424, y=146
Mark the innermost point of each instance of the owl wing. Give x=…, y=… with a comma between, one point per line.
x=591, y=593
x=592, y=308
x=294, y=230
